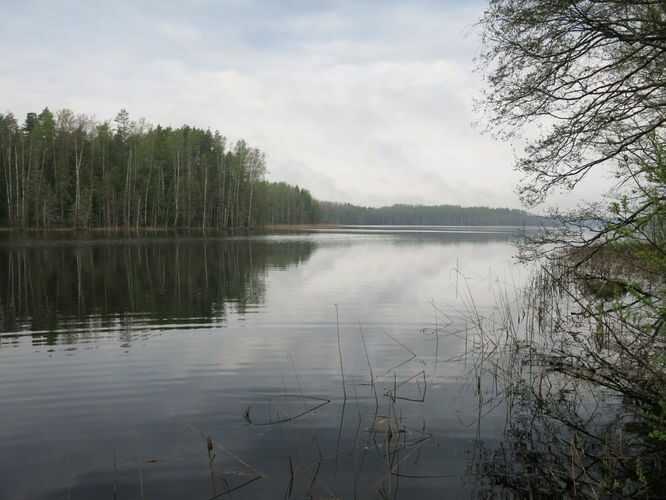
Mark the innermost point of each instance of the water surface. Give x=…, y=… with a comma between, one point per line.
x=119, y=358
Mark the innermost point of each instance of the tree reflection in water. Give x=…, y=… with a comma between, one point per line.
x=44, y=284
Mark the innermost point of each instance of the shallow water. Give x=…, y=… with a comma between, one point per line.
x=119, y=358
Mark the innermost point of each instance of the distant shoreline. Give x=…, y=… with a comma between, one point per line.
x=210, y=230
x=134, y=230
x=299, y=227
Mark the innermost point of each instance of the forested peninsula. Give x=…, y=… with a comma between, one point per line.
x=424, y=215
x=67, y=170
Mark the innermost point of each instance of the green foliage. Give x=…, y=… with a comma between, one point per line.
x=68, y=170
x=440, y=215
x=658, y=419
x=282, y=203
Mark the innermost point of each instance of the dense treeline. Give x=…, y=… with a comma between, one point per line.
x=68, y=170
x=281, y=203
x=439, y=215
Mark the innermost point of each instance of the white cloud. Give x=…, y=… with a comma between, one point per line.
x=362, y=102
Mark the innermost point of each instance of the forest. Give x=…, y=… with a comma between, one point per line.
x=422, y=215
x=67, y=170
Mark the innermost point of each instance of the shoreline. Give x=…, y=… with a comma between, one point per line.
x=5, y=229
x=299, y=227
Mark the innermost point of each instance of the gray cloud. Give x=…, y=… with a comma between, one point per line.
x=367, y=102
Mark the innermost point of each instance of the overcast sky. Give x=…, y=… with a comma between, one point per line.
x=369, y=102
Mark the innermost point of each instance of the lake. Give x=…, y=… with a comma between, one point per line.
x=326, y=364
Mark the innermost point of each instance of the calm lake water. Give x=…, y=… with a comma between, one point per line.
x=119, y=358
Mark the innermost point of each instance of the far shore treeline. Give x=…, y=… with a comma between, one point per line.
x=421, y=215
x=67, y=170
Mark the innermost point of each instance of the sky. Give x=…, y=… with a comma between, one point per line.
x=368, y=102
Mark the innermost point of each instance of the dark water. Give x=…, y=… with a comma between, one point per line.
x=119, y=358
